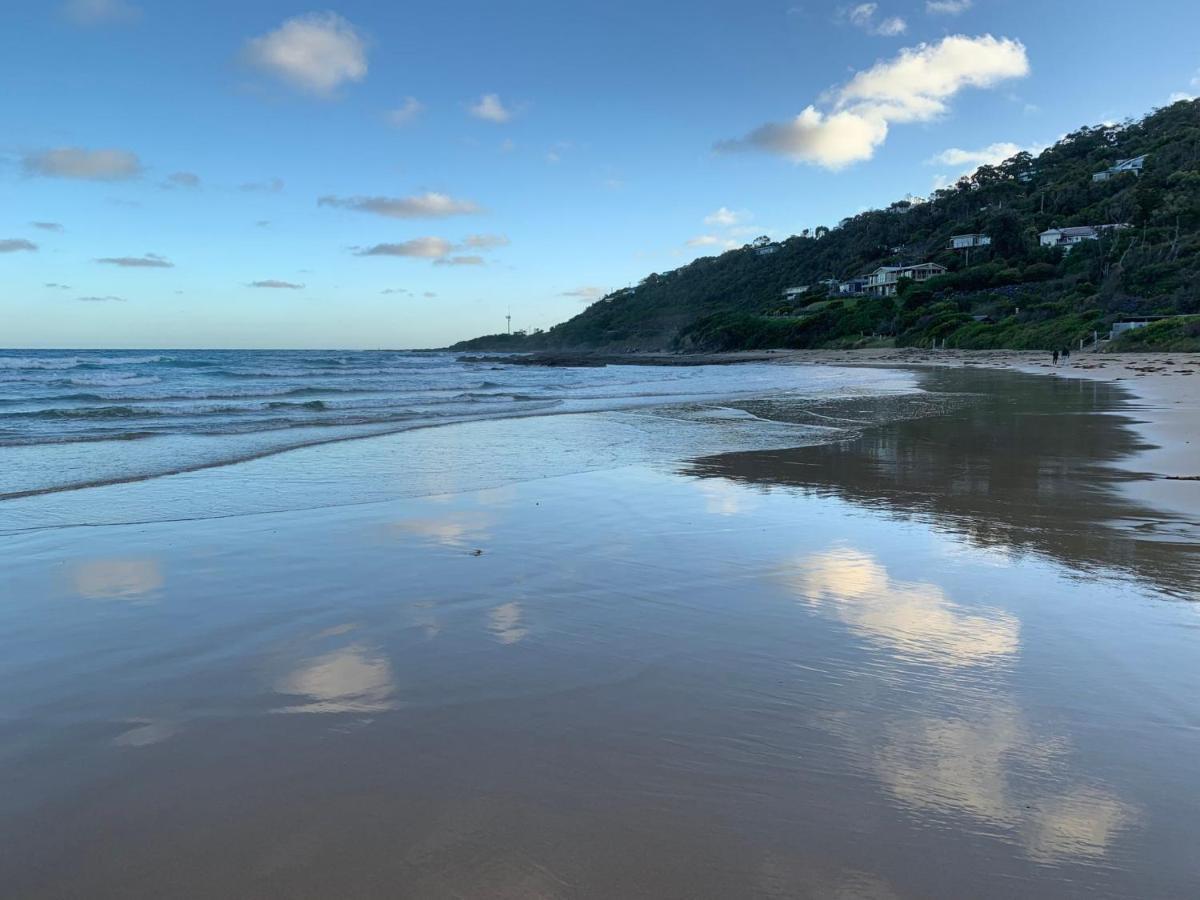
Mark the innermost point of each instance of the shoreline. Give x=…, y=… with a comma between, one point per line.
x=1166, y=411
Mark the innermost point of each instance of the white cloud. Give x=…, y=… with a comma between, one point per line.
x=726, y=217
x=421, y=206
x=47, y=226
x=271, y=186
x=1180, y=95
x=947, y=7
x=418, y=248
x=711, y=240
x=100, y=12
x=149, y=261
x=317, y=52
x=16, y=245
x=991, y=155
x=183, y=180
x=863, y=16
x=406, y=112
x=914, y=86
x=586, y=294
x=459, y=261
x=274, y=283
x=486, y=241
x=109, y=299
x=490, y=109
x=83, y=164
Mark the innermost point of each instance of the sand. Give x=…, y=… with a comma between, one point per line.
x=951, y=655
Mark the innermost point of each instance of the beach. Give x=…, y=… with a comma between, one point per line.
x=879, y=624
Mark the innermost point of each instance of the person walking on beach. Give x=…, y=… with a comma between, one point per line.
x=1066, y=356
x=1056, y=357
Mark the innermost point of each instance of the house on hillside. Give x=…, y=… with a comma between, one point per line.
x=883, y=282
x=793, y=294
x=1129, y=323
x=1069, y=237
x=1122, y=166
x=852, y=287
x=970, y=241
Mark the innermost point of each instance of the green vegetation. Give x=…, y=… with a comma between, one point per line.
x=1014, y=294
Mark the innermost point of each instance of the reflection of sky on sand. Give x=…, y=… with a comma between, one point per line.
x=455, y=529
x=916, y=620
x=146, y=732
x=117, y=579
x=724, y=498
x=989, y=765
x=350, y=679
x=504, y=622
x=975, y=755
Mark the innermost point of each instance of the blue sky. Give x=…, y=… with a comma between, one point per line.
x=414, y=171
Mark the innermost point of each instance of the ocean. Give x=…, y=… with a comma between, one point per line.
x=82, y=418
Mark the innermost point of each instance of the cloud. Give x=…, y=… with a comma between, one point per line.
x=588, y=294
x=406, y=112
x=149, y=261
x=57, y=286
x=914, y=86
x=726, y=217
x=87, y=165
x=429, y=205
x=182, y=180
x=863, y=16
x=417, y=248
x=271, y=186
x=991, y=155
x=490, y=109
x=48, y=226
x=947, y=7
x=711, y=240
x=486, y=241
x=16, y=245
x=459, y=261
x=100, y=12
x=395, y=291
x=109, y=299
x=316, y=52
x=272, y=283
x=1178, y=96
x=263, y=223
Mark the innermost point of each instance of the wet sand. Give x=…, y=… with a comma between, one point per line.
x=952, y=656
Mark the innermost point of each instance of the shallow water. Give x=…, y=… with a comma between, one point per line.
x=77, y=418
x=943, y=657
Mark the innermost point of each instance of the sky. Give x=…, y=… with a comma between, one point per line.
x=382, y=174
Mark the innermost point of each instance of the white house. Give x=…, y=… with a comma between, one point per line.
x=1122, y=166
x=883, y=281
x=1069, y=237
x=794, y=293
x=854, y=286
x=969, y=241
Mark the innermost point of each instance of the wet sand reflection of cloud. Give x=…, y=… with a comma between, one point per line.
x=724, y=498
x=504, y=622
x=146, y=732
x=350, y=679
x=117, y=579
x=914, y=619
x=452, y=530
x=976, y=766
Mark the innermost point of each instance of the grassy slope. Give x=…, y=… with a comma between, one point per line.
x=1034, y=297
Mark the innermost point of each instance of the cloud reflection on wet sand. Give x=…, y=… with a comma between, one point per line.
x=976, y=756
x=117, y=579
x=916, y=621
x=350, y=679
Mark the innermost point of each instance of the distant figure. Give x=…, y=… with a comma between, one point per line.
x=1066, y=356
x=1056, y=357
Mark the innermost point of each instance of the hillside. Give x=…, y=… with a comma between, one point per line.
x=1011, y=294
